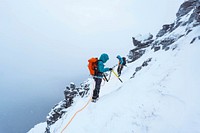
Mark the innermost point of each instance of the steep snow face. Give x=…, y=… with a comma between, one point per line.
x=162, y=97
x=159, y=94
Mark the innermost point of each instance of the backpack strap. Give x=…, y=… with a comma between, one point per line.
x=97, y=73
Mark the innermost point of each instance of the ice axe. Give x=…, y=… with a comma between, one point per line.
x=117, y=76
x=105, y=77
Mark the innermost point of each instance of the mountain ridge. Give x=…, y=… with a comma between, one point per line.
x=156, y=85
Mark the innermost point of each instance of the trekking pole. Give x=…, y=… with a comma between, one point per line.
x=117, y=76
x=114, y=65
x=109, y=75
x=105, y=77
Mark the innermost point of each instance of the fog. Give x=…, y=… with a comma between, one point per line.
x=45, y=44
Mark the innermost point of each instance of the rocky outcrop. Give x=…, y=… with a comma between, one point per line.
x=145, y=63
x=192, y=8
x=166, y=28
x=186, y=7
x=194, y=39
x=189, y=8
x=165, y=43
x=188, y=16
x=140, y=43
x=60, y=109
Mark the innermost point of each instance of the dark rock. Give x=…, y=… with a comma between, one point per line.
x=194, y=19
x=136, y=42
x=148, y=42
x=174, y=47
x=185, y=8
x=179, y=36
x=166, y=42
x=193, y=40
x=156, y=48
x=72, y=85
x=178, y=23
x=197, y=13
x=70, y=93
x=155, y=44
x=142, y=43
x=138, y=68
x=135, y=54
x=188, y=31
x=165, y=29
x=133, y=75
x=150, y=37
x=47, y=129
x=167, y=48
x=145, y=63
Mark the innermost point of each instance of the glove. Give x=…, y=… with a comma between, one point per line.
x=110, y=69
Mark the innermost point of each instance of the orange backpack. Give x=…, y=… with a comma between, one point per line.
x=92, y=66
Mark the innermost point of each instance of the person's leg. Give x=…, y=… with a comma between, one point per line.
x=121, y=67
x=118, y=69
x=97, y=88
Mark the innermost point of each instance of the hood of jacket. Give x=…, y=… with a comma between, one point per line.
x=118, y=57
x=104, y=57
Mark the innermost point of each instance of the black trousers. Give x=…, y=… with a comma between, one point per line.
x=119, y=69
x=97, y=88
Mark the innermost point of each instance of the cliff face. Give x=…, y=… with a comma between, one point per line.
x=187, y=17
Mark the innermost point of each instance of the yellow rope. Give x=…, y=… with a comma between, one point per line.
x=77, y=113
x=115, y=74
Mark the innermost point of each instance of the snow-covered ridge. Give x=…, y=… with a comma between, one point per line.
x=160, y=92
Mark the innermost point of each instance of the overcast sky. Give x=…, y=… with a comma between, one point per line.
x=45, y=44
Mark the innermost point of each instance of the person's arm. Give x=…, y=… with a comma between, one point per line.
x=101, y=67
x=121, y=60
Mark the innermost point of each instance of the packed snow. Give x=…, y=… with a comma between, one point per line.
x=163, y=97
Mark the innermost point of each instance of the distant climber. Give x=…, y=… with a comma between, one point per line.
x=121, y=64
x=99, y=74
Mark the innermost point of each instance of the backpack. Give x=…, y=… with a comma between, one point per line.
x=124, y=60
x=92, y=66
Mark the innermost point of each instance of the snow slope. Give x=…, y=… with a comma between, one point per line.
x=159, y=97
x=163, y=97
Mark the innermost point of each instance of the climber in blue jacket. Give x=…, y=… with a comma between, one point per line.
x=99, y=75
x=121, y=64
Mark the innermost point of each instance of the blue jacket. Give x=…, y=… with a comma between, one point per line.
x=120, y=59
x=103, y=59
